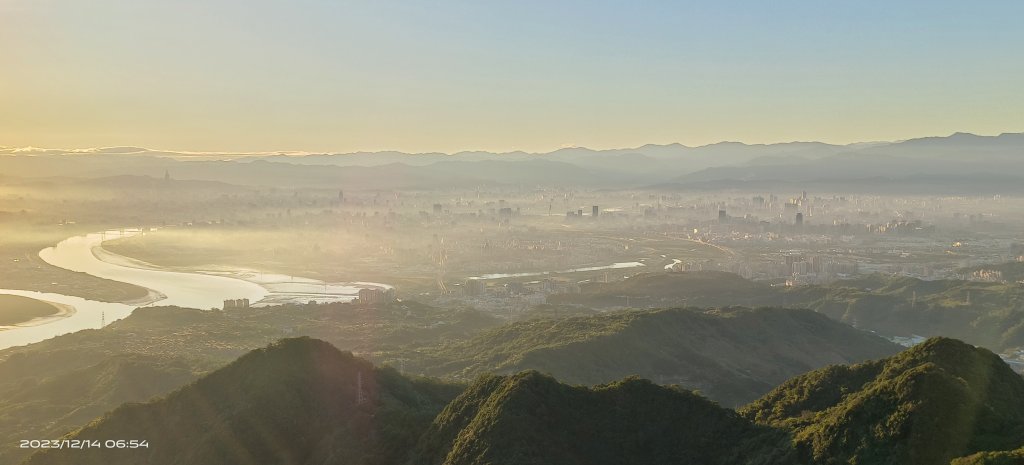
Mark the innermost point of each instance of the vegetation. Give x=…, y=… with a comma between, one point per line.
x=1013, y=457
x=16, y=309
x=297, y=401
x=693, y=288
x=301, y=401
x=986, y=314
x=55, y=386
x=529, y=418
x=731, y=355
x=937, y=401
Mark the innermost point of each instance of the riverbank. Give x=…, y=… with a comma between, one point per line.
x=56, y=312
x=281, y=289
x=18, y=311
x=24, y=269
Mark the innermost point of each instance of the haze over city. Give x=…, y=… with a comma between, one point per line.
x=511, y=233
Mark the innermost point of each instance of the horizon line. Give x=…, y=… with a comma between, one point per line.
x=30, y=150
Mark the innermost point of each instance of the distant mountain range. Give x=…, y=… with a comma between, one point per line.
x=301, y=401
x=958, y=163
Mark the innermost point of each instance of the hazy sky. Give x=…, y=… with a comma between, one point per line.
x=445, y=75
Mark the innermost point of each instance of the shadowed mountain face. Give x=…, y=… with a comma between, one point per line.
x=532, y=419
x=934, y=402
x=301, y=401
x=731, y=355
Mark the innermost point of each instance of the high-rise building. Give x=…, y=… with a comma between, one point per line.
x=474, y=287
x=234, y=304
x=722, y=216
x=505, y=215
x=375, y=296
x=799, y=219
x=594, y=211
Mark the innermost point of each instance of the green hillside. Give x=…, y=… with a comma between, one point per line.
x=986, y=314
x=731, y=355
x=58, y=385
x=301, y=401
x=927, y=405
x=529, y=418
x=297, y=401
x=690, y=288
x=1012, y=457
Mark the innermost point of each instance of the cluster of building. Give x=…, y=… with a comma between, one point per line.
x=235, y=304
x=595, y=211
x=985, y=275
x=375, y=296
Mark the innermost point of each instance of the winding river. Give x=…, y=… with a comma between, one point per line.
x=202, y=289
x=195, y=289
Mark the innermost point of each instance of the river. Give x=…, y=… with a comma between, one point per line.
x=202, y=289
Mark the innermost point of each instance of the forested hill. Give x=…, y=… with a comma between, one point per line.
x=303, y=402
x=298, y=401
x=529, y=418
x=731, y=355
x=927, y=405
x=983, y=313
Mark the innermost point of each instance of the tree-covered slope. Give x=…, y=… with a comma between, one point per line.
x=692, y=288
x=52, y=387
x=40, y=403
x=301, y=401
x=731, y=355
x=532, y=419
x=927, y=405
x=1010, y=457
x=983, y=313
x=298, y=401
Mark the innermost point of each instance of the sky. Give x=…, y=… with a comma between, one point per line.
x=533, y=75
